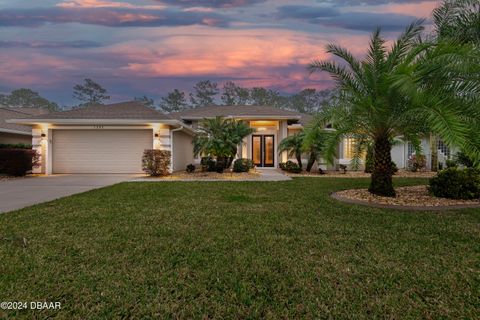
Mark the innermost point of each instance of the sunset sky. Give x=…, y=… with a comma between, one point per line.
x=148, y=47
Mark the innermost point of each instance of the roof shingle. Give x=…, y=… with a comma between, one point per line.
x=133, y=110
x=240, y=111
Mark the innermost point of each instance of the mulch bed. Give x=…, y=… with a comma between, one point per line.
x=198, y=175
x=414, y=197
x=361, y=174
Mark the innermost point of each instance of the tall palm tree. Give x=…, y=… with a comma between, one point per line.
x=219, y=137
x=382, y=98
x=294, y=146
x=458, y=20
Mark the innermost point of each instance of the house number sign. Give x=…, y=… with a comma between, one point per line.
x=98, y=127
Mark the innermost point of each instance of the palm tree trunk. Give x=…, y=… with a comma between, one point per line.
x=381, y=183
x=299, y=159
x=311, y=161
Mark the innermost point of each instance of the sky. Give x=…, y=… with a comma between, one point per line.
x=150, y=47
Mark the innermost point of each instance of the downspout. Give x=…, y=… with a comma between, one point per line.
x=171, y=143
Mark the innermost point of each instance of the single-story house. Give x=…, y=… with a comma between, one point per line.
x=112, y=138
x=12, y=133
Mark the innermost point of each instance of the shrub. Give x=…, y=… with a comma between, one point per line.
x=290, y=166
x=464, y=160
x=191, y=168
x=156, y=162
x=454, y=183
x=208, y=164
x=343, y=168
x=15, y=146
x=242, y=165
x=18, y=162
x=451, y=163
x=417, y=162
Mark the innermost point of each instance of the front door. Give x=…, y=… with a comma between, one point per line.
x=263, y=150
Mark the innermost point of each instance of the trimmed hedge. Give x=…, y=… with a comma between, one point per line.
x=455, y=183
x=242, y=165
x=15, y=146
x=18, y=162
x=290, y=166
x=156, y=162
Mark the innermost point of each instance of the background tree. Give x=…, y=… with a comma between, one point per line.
x=204, y=94
x=175, y=101
x=90, y=92
x=148, y=102
x=27, y=98
x=382, y=93
x=264, y=97
x=234, y=95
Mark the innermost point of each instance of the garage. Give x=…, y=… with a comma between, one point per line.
x=99, y=151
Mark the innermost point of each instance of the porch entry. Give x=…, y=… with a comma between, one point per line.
x=263, y=150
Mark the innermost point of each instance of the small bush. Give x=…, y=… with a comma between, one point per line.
x=156, y=162
x=15, y=146
x=451, y=163
x=191, y=168
x=464, y=160
x=454, y=183
x=208, y=164
x=343, y=168
x=417, y=163
x=18, y=162
x=242, y=165
x=290, y=166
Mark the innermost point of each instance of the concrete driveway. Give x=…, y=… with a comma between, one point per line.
x=20, y=193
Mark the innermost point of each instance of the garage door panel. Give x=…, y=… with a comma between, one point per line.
x=99, y=151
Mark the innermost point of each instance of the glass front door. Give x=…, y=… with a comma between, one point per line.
x=263, y=150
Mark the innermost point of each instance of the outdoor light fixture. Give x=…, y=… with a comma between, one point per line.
x=156, y=135
x=43, y=135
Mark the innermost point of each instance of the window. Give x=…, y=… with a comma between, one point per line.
x=411, y=150
x=348, y=148
x=443, y=148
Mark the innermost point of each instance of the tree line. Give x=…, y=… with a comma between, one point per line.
x=204, y=93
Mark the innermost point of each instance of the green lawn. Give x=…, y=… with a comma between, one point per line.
x=239, y=250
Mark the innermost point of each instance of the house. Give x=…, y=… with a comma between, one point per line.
x=12, y=133
x=106, y=138
x=271, y=126
x=112, y=138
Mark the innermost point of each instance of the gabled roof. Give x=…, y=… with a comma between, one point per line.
x=29, y=110
x=132, y=110
x=246, y=112
x=9, y=113
x=235, y=111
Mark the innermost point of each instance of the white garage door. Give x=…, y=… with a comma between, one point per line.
x=99, y=151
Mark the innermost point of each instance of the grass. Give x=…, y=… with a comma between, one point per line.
x=239, y=250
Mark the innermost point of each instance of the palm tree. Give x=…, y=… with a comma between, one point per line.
x=219, y=137
x=458, y=20
x=294, y=146
x=313, y=143
x=385, y=96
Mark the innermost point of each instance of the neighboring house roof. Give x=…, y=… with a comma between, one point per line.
x=9, y=113
x=28, y=110
x=237, y=112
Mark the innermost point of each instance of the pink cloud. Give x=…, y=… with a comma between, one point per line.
x=104, y=4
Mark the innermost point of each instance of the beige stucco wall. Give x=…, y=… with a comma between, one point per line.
x=11, y=138
x=182, y=150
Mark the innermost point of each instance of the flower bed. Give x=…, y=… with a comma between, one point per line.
x=361, y=174
x=197, y=175
x=414, y=197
